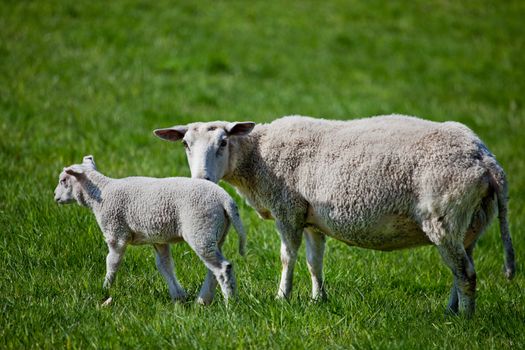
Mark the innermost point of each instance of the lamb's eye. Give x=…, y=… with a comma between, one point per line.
x=185, y=144
x=63, y=181
x=223, y=143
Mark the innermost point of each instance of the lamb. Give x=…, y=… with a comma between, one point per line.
x=384, y=183
x=144, y=210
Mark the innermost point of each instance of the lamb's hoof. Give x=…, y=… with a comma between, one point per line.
x=282, y=297
x=180, y=298
x=107, y=302
x=318, y=296
x=509, y=273
x=204, y=301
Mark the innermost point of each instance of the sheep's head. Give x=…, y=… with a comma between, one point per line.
x=70, y=177
x=207, y=146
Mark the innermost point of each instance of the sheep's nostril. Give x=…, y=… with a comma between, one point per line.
x=207, y=178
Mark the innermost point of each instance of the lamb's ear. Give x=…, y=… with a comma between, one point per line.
x=172, y=134
x=239, y=128
x=75, y=171
x=89, y=161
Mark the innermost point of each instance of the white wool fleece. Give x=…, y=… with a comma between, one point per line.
x=143, y=210
x=386, y=183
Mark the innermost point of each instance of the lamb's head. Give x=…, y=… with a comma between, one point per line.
x=207, y=145
x=69, y=180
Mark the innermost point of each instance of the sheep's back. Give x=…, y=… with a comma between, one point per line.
x=355, y=172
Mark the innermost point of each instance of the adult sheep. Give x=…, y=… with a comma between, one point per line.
x=385, y=183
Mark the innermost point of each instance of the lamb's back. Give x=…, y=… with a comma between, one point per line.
x=152, y=206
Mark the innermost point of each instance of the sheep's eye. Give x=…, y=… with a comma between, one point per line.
x=223, y=143
x=185, y=144
x=63, y=181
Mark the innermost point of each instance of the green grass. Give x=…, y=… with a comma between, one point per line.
x=97, y=77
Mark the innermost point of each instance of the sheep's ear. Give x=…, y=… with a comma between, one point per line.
x=172, y=134
x=74, y=170
x=89, y=161
x=239, y=128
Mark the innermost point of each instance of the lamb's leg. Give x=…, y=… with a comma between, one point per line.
x=226, y=279
x=113, y=260
x=315, y=244
x=222, y=269
x=207, y=246
x=457, y=259
x=453, y=302
x=208, y=289
x=165, y=266
x=290, y=243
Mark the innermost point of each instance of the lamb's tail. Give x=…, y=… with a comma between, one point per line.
x=233, y=213
x=499, y=183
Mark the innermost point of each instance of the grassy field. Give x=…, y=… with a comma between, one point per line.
x=94, y=77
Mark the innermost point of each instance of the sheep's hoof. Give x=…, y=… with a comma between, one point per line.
x=319, y=299
x=466, y=314
x=107, y=302
x=451, y=312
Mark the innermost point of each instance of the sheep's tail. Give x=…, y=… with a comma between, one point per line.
x=233, y=213
x=499, y=183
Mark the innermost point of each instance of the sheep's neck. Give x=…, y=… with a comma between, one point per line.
x=92, y=186
x=244, y=166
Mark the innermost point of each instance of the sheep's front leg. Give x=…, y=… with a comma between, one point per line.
x=315, y=245
x=290, y=243
x=164, y=263
x=113, y=260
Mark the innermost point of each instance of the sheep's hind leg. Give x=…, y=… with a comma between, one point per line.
x=457, y=259
x=223, y=271
x=290, y=243
x=165, y=266
x=453, y=302
x=315, y=245
x=207, y=291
